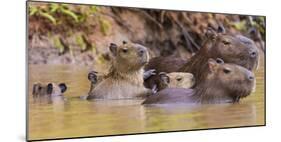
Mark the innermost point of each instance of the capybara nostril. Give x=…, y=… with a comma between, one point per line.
x=141, y=52
x=193, y=79
x=253, y=54
x=63, y=87
x=251, y=77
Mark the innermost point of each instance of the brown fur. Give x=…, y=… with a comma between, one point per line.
x=235, y=49
x=125, y=79
x=175, y=80
x=223, y=83
x=50, y=89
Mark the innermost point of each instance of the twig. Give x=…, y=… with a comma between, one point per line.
x=187, y=36
x=118, y=20
x=148, y=17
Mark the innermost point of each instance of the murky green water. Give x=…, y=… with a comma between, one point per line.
x=77, y=118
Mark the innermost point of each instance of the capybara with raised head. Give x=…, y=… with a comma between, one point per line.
x=236, y=49
x=125, y=78
x=222, y=83
x=174, y=80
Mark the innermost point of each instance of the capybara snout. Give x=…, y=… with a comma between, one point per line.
x=251, y=77
x=141, y=51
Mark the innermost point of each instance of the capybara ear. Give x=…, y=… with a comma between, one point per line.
x=35, y=88
x=113, y=49
x=212, y=64
x=164, y=77
x=219, y=61
x=210, y=33
x=221, y=29
x=63, y=87
x=49, y=88
x=92, y=76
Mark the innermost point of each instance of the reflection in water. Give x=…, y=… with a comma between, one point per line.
x=72, y=117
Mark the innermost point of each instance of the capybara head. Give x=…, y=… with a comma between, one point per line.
x=235, y=49
x=228, y=79
x=129, y=56
x=177, y=79
x=50, y=89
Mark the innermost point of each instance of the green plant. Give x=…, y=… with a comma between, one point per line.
x=82, y=42
x=51, y=10
x=59, y=44
x=104, y=26
x=241, y=25
x=48, y=16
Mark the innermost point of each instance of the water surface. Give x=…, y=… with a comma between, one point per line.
x=72, y=117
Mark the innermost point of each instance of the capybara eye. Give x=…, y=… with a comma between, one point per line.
x=219, y=61
x=226, y=42
x=226, y=71
x=124, y=42
x=179, y=79
x=125, y=50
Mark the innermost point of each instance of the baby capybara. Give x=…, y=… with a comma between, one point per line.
x=236, y=49
x=223, y=83
x=125, y=78
x=174, y=80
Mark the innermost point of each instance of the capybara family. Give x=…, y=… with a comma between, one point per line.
x=221, y=83
x=221, y=72
x=235, y=49
x=125, y=78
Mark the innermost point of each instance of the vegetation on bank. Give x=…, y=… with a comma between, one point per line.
x=88, y=28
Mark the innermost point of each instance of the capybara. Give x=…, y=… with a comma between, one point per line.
x=174, y=80
x=236, y=49
x=125, y=78
x=51, y=89
x=222, y=83
x=95, y=78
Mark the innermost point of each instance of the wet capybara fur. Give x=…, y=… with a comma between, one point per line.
x=236, y=49
x=51, y=89
x=125, y=78
x=223, y=83
x=95, y=78
x=174, y=80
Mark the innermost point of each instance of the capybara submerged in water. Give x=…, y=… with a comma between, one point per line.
x=95, y=78
x=125, y=78
x=236, y=49
x=174, y=80
x=51, y=89
x=223, y=83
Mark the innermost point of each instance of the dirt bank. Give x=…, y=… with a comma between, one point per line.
x=60, y=38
